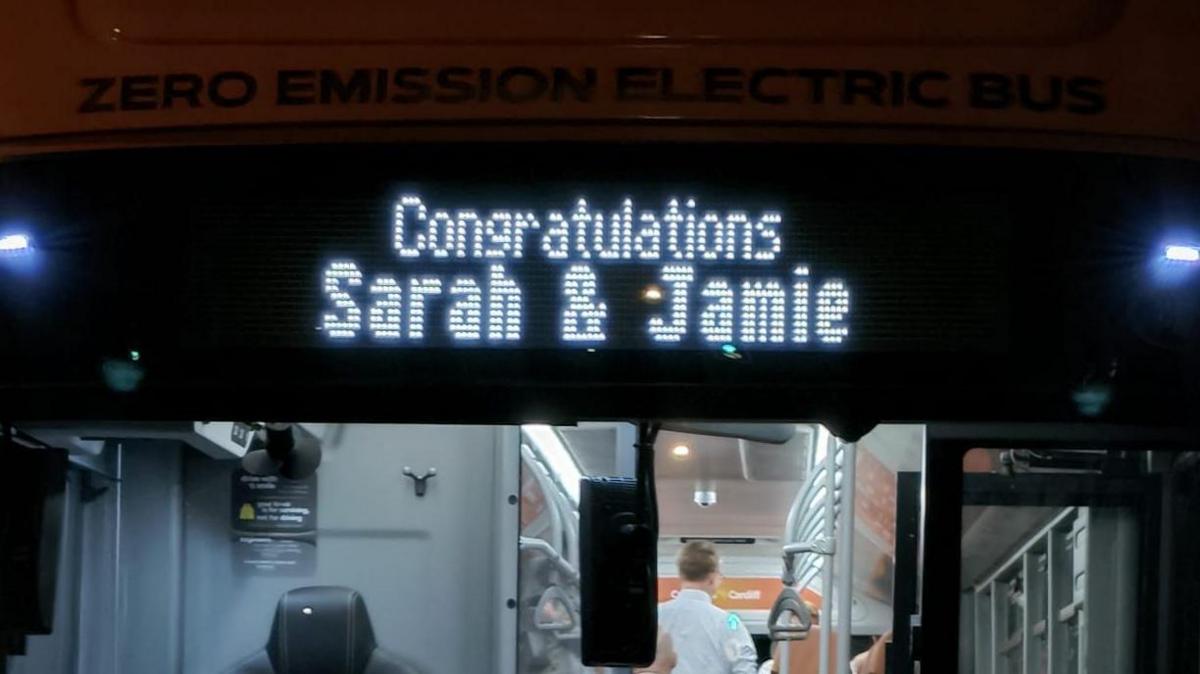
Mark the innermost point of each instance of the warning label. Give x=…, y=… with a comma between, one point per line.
x=272, y=504
x=274, y=522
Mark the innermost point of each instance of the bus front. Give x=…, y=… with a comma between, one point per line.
x=354, y=337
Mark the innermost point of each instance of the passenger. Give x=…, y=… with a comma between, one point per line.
x=858, y=663
x=664, y=657
x=804, y=655
x=706, y=639
x=872, y=660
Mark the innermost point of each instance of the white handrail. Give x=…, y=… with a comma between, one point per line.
x=846, y=560
x=548, y=486
x=537, y=544
x=827, y=567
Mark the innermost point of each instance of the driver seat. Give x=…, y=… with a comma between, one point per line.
x=321, y=630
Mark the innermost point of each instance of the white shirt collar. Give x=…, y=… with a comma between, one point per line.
x=695, y=595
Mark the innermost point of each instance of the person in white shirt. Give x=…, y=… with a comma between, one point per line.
x=706, y=639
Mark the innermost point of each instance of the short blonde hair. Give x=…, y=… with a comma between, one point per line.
x=697, y=561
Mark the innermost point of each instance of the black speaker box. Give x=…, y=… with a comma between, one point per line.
x=618, y=573
x=32, y=494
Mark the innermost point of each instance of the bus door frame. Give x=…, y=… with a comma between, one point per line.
x=945, y=493
x=905, y=587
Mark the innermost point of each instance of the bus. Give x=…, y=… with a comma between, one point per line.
x=361, y=338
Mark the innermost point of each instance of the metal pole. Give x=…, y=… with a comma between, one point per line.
x=785, y=657
x=118, y=609
x=827, y=564
x=626, y=456
x=845, y=559
x=506, y=522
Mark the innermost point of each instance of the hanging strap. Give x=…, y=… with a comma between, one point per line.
x=789, y=619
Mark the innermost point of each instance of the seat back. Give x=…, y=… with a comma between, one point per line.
x=321, y=630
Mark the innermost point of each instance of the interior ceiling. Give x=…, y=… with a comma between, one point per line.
x=593, y=448
x=712, y=458
x=743, y=508
x=709, y=457
x=755, y=483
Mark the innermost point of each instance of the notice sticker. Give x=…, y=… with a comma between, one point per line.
x=274, y=556
x=274, y=522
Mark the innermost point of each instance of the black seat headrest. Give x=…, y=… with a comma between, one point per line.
x=321, y=630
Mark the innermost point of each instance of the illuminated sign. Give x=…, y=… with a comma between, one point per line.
x=468, y=276
x=683, y=253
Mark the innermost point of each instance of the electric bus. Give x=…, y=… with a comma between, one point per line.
x=372, y=338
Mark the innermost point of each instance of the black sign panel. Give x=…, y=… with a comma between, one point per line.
x=509, y=281
x=270, y=504
x=724, y=253
x=274, y=520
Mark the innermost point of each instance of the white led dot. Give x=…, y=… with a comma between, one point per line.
x=674, y=221
x=800, y=305
x=495, y=239
x=420, y=287
x=441, y=234
x=556, y=240
x=524, y=222
x=672, y=329
x=504, y=306
x=385, y=317
x=491, y=307
x=647, y=243
x=615, y=241
x=716, y=319
x=581, y=223
x=583, y=317
x=763, y=312
x=465, y=317
x=768, y=233
x=708, y=236
x=346, y=319
x=410, y=211
x=694, y=241
x=833, y=304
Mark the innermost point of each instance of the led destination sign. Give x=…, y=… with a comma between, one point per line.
x=616, y=249
x=621, y=274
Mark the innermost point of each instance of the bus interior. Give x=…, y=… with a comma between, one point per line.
x=451, y=548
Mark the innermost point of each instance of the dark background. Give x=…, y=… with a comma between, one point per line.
x=984, y=283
